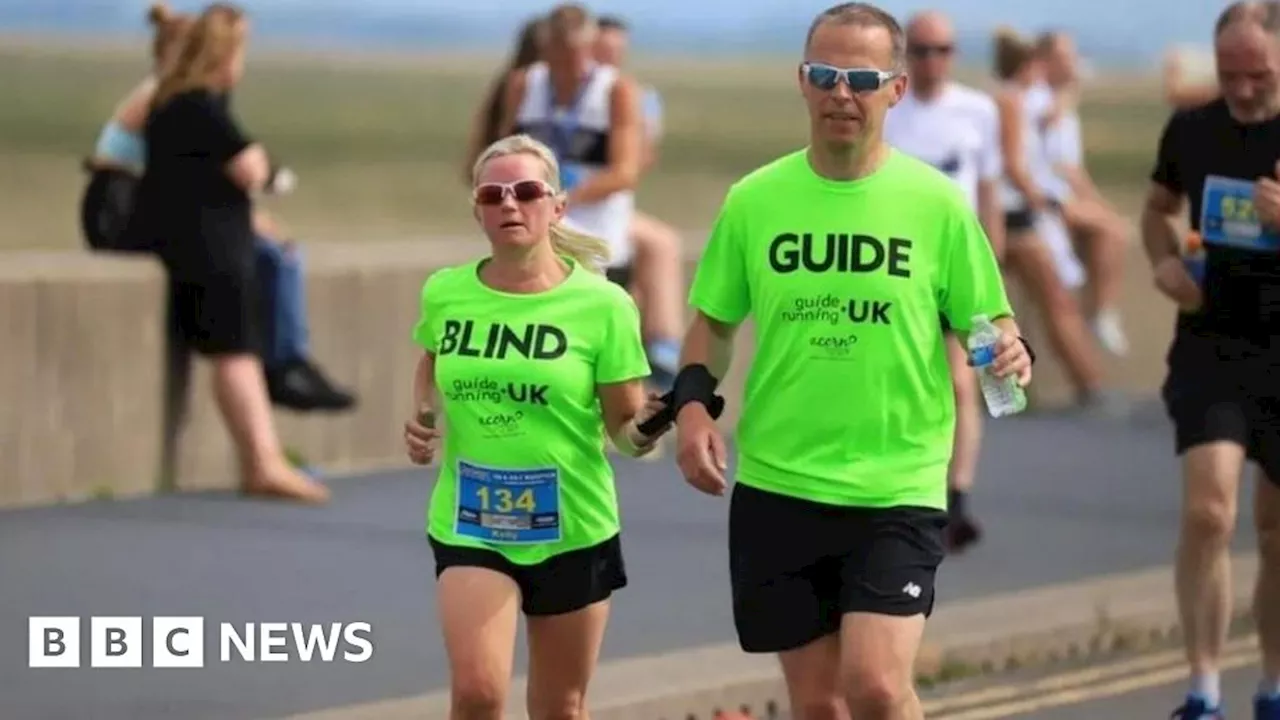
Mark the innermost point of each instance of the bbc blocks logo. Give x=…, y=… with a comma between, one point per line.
x=180, y=642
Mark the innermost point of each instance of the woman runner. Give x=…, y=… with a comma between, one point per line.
x=533, y=357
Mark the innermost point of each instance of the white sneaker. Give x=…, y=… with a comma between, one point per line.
x=1110, y=334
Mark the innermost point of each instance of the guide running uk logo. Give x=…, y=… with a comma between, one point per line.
x=179, y=642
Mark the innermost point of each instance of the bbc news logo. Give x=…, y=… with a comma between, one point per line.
x=179, y=642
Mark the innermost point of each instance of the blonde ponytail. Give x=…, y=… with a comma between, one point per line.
x=586, y=250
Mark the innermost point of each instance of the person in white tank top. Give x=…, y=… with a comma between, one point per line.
x=655, y=277
x=955, y=129
x=1095, y=227
x=589, y=115
x=1033, y=225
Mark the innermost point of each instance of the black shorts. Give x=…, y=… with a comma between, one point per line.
x=797, y=567
x=217, y=314
x=561, y=584
x=1024, y=219
x=619, y=275
x=1225, y=389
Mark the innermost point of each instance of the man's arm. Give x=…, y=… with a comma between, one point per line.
x=991, y=215
x=1160, y=212
x=1160, y=218
x=991, y=170
x=625, y=147
x=709, y=342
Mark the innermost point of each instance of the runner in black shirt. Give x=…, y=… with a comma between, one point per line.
x=1222, y=160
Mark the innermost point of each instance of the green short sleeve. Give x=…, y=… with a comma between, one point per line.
x=971, y=282
x=720, y=288
x=621, y=356
x=425, y=330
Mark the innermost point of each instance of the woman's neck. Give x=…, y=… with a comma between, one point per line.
x=524, y=270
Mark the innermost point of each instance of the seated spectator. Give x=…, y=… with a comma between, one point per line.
x=193, y=206
x=294, y=380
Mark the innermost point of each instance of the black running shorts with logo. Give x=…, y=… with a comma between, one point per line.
x=561, y=584
x=1225, y=389
x=797, y=567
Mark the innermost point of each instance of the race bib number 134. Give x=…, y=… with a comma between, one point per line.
x=508, y=506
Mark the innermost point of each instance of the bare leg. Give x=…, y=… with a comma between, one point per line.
x=241, y=394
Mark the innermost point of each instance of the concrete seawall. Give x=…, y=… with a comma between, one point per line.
x=83, y=366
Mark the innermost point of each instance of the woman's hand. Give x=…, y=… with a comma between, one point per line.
x=419, y=435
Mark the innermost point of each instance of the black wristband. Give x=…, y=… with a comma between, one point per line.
x=694, y=383
x=1026, y=345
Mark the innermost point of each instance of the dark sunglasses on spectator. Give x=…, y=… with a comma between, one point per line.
x=923, y=51
x=826, y=77
x=523, y=191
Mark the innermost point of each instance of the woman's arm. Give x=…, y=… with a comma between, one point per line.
x=250, y=169
x=1015, y=161
x=424, y=383
x=624, y=407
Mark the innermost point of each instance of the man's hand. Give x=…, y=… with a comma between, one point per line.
x=700, y=450
x=1266, y=200
x=1172, y=279
x=1012, y=358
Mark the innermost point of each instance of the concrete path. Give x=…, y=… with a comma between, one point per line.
x=1063, y=498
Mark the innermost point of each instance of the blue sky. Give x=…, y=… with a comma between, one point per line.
x=1105, y=25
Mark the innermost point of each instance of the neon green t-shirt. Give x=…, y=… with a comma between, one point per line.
x=848, y=399
x=523, y=468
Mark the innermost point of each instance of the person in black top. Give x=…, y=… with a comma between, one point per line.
x=193, y=204
x=1222, y=391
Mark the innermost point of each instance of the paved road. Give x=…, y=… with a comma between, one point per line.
x=1062, y=500
x=1146, y=686
x=1154, y=703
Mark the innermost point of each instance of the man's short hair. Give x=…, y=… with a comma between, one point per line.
x=1266, y=13
x=569, y=19
x=612, y=22
x=862, y=14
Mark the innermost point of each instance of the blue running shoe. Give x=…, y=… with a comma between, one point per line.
x=1266, y=706
x=1195, y=708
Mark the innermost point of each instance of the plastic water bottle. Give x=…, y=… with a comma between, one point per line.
x=1003, y=395
x=1193, y=256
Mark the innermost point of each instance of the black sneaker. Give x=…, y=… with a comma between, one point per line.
x=303, y=387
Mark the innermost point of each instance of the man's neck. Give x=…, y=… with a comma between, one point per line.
x=928, y=92
x=849, y=162
x=566, y=77
x=1258, y=116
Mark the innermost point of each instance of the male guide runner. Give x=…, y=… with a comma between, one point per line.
x=845, y=254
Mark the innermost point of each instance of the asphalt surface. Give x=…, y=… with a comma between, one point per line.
x=1062, y=498
x=1129, y=687
x=1238, y=687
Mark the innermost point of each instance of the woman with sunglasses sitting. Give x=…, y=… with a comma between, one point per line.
x=535, y=357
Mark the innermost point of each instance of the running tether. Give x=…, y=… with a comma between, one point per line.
x=694, y=383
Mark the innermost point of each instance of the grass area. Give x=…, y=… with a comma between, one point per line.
x=377, y=142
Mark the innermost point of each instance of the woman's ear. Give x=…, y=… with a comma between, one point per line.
x=559, y=206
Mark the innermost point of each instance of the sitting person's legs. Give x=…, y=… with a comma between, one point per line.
x=293, y=378
x=659, y=288
x=214, y=316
